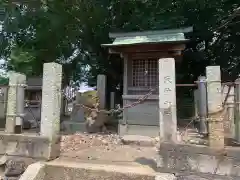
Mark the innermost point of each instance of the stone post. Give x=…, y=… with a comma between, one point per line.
x=237, y=109
x=101, y=90
x=15, y=105
x=63, y=104
x=20, y=103
x=196, y=99
x=51, y=100
x=215, y=109
x=167, y=100
x=202, y=104
x=112, y=100
x=77, y=114
x=228, y=99
x=3, y=103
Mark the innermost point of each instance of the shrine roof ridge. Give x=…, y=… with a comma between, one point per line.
x=149, y=37
x=147, y=33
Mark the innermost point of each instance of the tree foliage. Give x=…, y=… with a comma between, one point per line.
x=71, y=31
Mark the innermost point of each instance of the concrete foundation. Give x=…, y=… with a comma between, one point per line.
x=89, y=171
x=151, y=131
x=138, y=140
x=201, y=161
x=28, y=146
x=73, y=127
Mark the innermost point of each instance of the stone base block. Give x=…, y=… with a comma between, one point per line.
x=34, y=172
x=72, y=127
x=142, y=130
x=199, y=160
x=29, y=146
x=138, y=140
x=97, y=171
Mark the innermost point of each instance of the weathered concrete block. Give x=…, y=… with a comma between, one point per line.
x=199, y=177
x=143, y=130
x=29, y=146
x=89, y=171
x=34, y=172
x=72, y=127
x=138, y=140
x=165, y=176
x=175, y=158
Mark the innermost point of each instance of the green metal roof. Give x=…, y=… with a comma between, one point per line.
x=149, y=37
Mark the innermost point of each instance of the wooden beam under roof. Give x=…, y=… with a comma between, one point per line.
x=146, y=48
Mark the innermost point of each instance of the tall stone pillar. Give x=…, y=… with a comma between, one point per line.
x=228, y=100
x=51, y=100
x=112, y=100
x=215, y=109
x=196, y=99
x=202, y=104
x=15, y=105
x=237, y=109
x=167, y=100
x=101, y=90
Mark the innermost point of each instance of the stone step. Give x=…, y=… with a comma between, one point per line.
x=64, y=169
x=138, y=140
x=72, y=126
x=61, y=170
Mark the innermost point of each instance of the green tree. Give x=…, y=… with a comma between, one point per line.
x=70, y=32
x=3, y=80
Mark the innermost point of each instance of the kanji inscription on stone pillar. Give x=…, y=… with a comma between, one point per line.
x=167, y=100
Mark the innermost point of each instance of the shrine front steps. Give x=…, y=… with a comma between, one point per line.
x=72, y=170
x=138, y=140
x=73, y=126
x=69, y=169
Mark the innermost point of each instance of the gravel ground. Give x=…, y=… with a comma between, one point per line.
x=104, y=147
x=81, y=141
x=109, y=146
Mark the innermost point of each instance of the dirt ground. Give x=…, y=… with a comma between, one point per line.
x=104, y=147
x=108, y=147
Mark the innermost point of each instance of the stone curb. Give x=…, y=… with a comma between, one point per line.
x=34, y=172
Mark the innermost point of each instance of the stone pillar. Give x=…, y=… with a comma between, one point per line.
x=77, y=114
x=63, y=106
x=112, y=100
x=215, y=109
x=167, y=100
x=20, y=103
x=51, y=100
x=237, y=109
x=202, y=104
x=123, y=123
x=196, y=99
x=15, y=105
x=101, y=90
x=228, y=99
x=3, y=105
